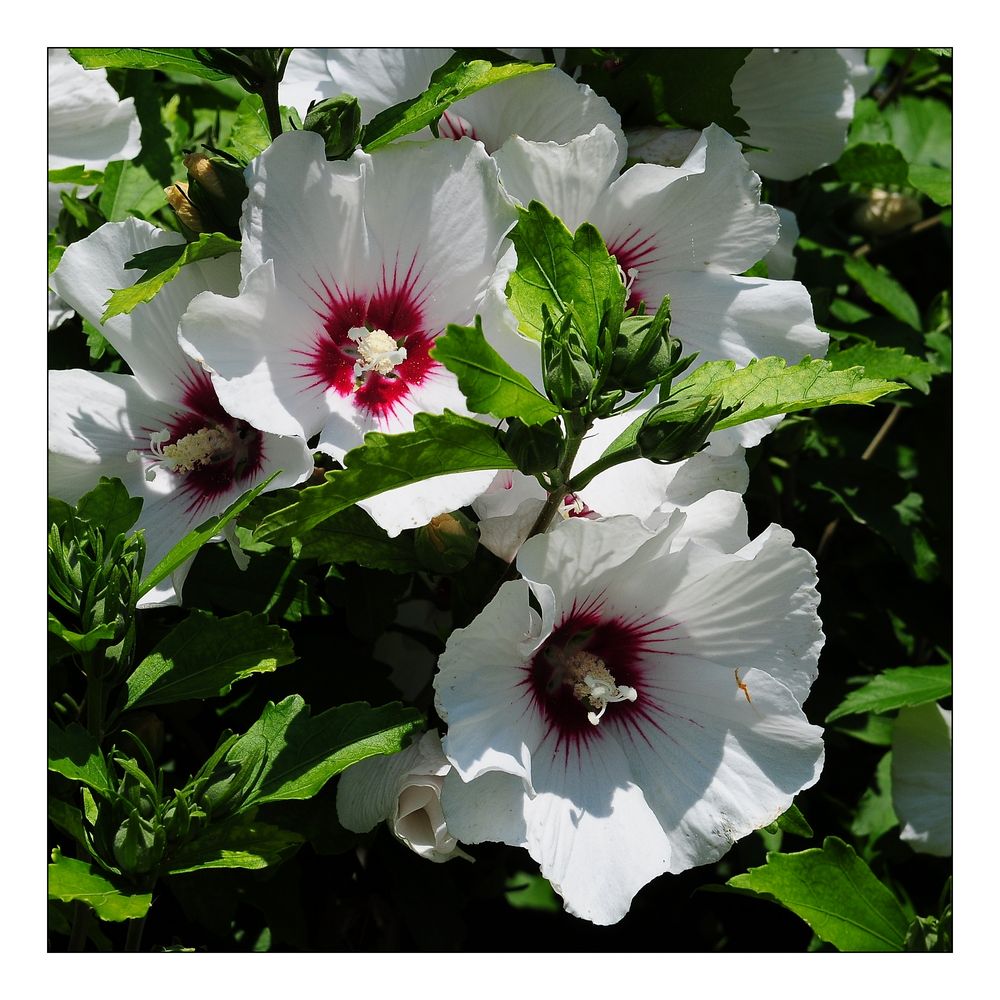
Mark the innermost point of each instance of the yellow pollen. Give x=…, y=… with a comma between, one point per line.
x=201, y=448
x=377, y=351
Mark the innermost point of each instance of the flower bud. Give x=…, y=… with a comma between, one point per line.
x=139, y=844
x=567, y=372
x=217, y=189
x=644, y=352
x=674, y=431
x=180, y=201
x=338, y=120
x=447, y=544
x=887, y=212
x=535, y=449
x=404, y=789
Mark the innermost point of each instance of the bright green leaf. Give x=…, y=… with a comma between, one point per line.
x=921, y=130
x=881, y=287
x=184, y=60
x=792, y=821
x=204, y=656
x=71, y=880
x=251, y=135
x=194, y=540
x=75, y=754
x=874, y=164
x=240, y=842
x=887, y=363
x=162, y=264
x=76, y=175
x=109, y=506
x=301, y=752
x=835, y=893
x=769, y=386
x=874, y=814
x=935, y=182
x=490, y=384
x=438, y=444
x=82, y=642
x=525, y=891
x=452, y=82
x=897, y=688
x=558, y=269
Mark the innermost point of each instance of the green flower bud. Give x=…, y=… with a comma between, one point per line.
x=674, y=431
x=214, y=194
x=338, y=120
x=535, y=449
x=139, y=844
x=567, y=371
x=644, y=353
x=447, y=544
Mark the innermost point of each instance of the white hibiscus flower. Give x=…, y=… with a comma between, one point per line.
x=797, y=103
x=88, y=124
x=404, y=790
x=647, y=716
x=350, y=271
x=162, y=430
x=921, y=778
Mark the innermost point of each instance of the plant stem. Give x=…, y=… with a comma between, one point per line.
x=78, y=934
x=134, y=937
x=269, y=95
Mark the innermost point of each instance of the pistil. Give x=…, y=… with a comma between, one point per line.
x=377, y=352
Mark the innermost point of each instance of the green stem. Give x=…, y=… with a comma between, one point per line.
x=269, y=95
x=81, y=919
x=95, y=696
x=134, y=937
x=581, y=479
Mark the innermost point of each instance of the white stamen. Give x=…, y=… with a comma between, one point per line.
x=604, y=694
x=633, y=273
x=377, y=351
x=592, y=683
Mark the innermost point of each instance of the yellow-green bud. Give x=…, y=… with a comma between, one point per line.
x=447, y=544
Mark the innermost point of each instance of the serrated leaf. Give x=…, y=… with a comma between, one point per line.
x=835, y=893
x=71, y=880
x=161, y=265
x=897, y=688
x=935, y=182
x=769, y=386
x=240, y=842
x=109, y=506
x=301, y=752
x=559, y=269
x=204, y=656
x=875, y=164
x=921, y=130
x=352, y=536
x=455, y=80
x=490, y=384
x=183, y=60
x=75, y=754
x=881, y=287
x=194, y=540
x=251, y=134
x=887, y=363
x=76, y=175
x=439, y=444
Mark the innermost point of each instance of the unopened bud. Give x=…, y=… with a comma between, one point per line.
x=139, y=844
x=535, y=449
x=199, y=168
x=338, y=120
x=180, y=201
x=645, y=353
x=674, y=431
x=447, y=544
x=887, y=212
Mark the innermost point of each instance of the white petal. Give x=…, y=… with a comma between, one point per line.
x=718, y=520
x=59, y=312
x=754, y=608
x=669, y=147
x=493, y=724
x=546, y=106
x=414, y=505
x=781, y=259
x=713, y=765
x=256, y=345
x=567, y=178
x=87, y=124
x=146, y=337
x=921, y=778
x=861, y=75
x=703, y=215
x=724, y=317
x=797, y=104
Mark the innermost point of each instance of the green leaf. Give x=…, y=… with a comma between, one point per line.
x=55, y=252
x=109, y=506
x=875, y=164
x=455, y=80
x=82, y=642
x=887, y=363
x=163, y=264
x=184, y=60
x=67, y=818
x=76, y=755
x=71, y=880
x=876, y=730
x=240, y=842
x=935, y=182
x=250, y=135
x=767, y=387
x=897, y=688
x=874, y=814
x=881, y=287
x=301, y=753
x=490, y=384
x=835, y=893
x=792, y=821
x=558, y=269
x=194, y=540
x=352, y=536
x=439, y=444
x=524, y=891
x=204, y=656
x=76, y=175
x=921, y=130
